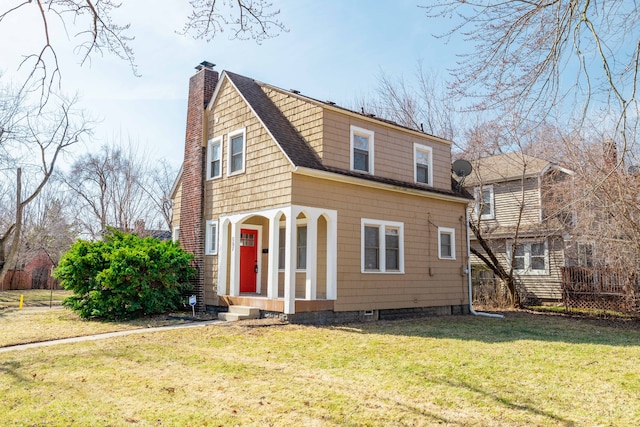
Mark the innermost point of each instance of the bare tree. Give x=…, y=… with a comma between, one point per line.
x=421, y=103
x=95, y=27
x=35, y=140
x=116, y=187
x=549, y=56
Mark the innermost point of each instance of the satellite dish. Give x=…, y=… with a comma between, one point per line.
x=461, y=168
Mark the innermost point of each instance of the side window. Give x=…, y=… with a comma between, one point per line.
x=211, y=237
x=485, y=202
x=531, y=258
x=301, y=249
x=214, y=158
x=237, y=148
x=175, y=236
x=361, y=150
x=446, y=243
x=382, y=246
x=423, y=161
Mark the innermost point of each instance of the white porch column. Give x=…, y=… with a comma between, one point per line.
x=223, y=257
x=312, y=258
x=289, y=263
x=332, y=256
x=274, y=246
x=234, y=282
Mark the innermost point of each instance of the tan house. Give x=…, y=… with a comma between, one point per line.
x=518, y=207
x=313, y=212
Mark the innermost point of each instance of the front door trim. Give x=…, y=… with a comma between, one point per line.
x=257, y=228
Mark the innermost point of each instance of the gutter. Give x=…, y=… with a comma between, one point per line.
x=471, y=309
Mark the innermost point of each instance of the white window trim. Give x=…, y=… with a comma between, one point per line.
x=424, y=148
x=452, y=232
x=210, y=145
x=207, y=249
x=175, y=234
x=382, y=248
x=355, y=130
x=230, y=136
x=478, y=195
x=527, y=270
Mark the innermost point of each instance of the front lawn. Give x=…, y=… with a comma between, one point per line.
x=523, y=370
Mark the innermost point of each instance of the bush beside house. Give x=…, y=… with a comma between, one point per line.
x=124, y=276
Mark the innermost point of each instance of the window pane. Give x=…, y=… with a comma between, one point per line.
x=215, y=168
x=392, y=249
x=445, y=245
x=281, y=248
x=215, y=152
x=361, y=142
x=213, y=239
x=302, y=247
x=518, y=263
x=371, y=248
x=537, y=262
x=422, y=158
x=422, y=173
x=361, y=160
x=237, y=155
x=519, y=249
x=486, y=202
x=537, y=249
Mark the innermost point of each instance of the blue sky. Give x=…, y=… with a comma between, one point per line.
x=334, y=50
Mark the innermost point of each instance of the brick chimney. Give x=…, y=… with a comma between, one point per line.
x=201, y=87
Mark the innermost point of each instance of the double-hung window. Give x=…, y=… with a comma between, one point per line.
x=382, y=246
x=529, y=257
x=485, y=202
x=214, y=158
x=237, y=151
x=361, y=150
x=422, y=159
x=301, y=247
x=211, y=237
x=446, y=243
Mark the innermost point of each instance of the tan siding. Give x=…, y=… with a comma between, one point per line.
x=542, y=286
x=393, y=149
x=304, y=116
x=509, y=197
x=175, y=214
x=427, y=281
x=265, y=182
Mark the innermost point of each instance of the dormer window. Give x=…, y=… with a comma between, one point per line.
x=361, y=150
x=422, y=159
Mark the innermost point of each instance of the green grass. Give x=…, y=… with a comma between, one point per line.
x=464, y=371
x=32, y=298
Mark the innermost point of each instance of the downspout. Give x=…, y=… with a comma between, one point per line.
x=471, y=309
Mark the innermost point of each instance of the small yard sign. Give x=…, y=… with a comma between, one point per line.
x=192, y=303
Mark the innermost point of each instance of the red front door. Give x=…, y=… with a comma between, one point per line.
x=248, y=260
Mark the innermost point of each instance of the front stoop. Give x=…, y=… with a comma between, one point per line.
x=239, y=312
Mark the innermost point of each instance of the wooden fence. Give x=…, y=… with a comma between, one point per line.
x=601, y=289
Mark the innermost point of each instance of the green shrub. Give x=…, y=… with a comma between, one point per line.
x=124, y=276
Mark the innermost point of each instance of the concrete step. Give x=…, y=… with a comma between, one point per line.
x=239, y=312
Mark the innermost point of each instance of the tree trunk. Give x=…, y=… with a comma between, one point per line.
x=17, y=229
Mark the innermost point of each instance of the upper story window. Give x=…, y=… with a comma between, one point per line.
x=214, y=158
x=529, y=257
x=237, y=149
x=423, y=164
x=446, y=243
x=485, y=208
x=361, y=150
x=382, y=246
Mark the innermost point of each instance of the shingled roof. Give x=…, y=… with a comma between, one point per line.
x=296, y=148
x=506, y=167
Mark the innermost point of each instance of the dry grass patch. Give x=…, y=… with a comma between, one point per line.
x=523, y=370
